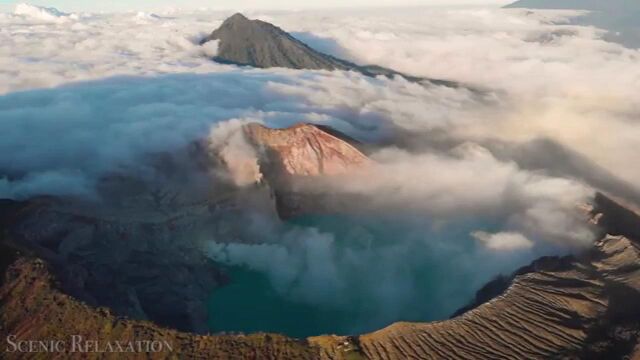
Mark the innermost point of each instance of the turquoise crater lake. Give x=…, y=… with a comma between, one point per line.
x=345, y=275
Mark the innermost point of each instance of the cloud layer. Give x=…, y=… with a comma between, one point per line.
x=534, y=87
x=87, y=96
x=561, y=81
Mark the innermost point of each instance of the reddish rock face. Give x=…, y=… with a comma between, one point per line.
x=305, y=150
x=292, y=160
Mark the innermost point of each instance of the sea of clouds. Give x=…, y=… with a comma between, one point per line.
x=548, y=112
x=553, y=80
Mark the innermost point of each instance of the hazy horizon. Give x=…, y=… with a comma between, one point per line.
x=160, y=5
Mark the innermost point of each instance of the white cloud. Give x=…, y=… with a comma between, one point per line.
x=210, y=48
x=503, y=241
x=469, y=182
x=170, y=5
x=45, y=14
x=227, y=142
x=558, y=80
x=64, y=183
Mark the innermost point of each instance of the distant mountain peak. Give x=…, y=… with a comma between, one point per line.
x=619, y=17
x=257, y=43
x=237, y=20
x=593, y=5
x=237, y=17
x=260, y=44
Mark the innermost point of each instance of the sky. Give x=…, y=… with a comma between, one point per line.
x=126, y=5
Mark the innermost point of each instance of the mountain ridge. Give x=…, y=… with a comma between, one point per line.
x=572, y=4
x=619, y=17
x=260, y=44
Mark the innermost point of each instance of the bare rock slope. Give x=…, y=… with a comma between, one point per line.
x=305, y=150
x=259, y=44
x=572, y=307
x=293, y=159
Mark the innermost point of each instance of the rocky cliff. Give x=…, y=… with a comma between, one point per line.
x=574, y=307
x=304, y=150
x=143, y=263
x=34, y=308
x=295, y=158
x=57, y=258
